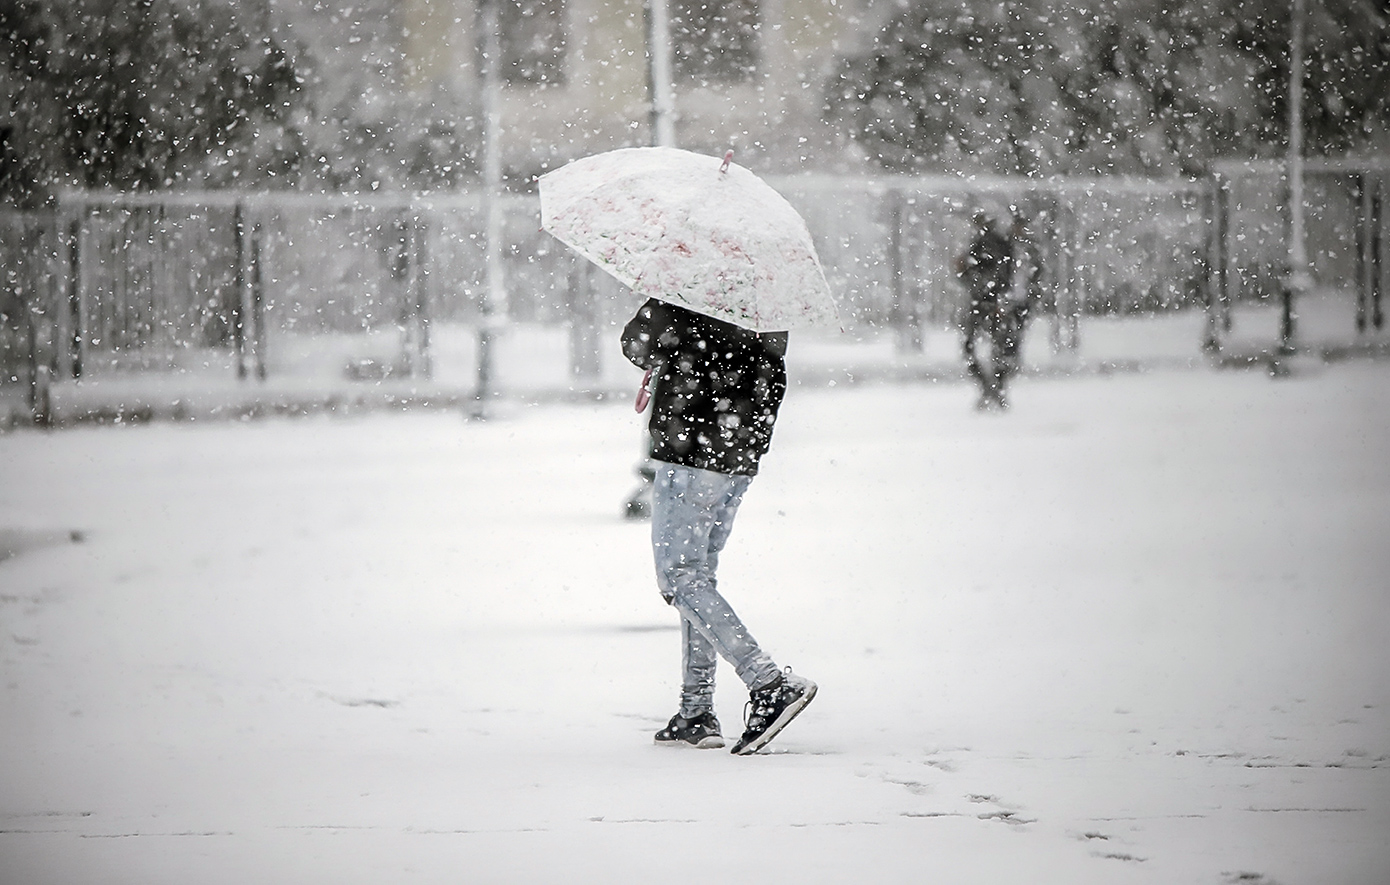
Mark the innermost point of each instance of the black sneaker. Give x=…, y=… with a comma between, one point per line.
x=770, y=709
x=702, y=732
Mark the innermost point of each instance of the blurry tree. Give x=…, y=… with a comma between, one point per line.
x=1162, y=88
x=143, y=94
x=1346, y=71
x=1139, y=86
x=151, y=94
x=945, y=85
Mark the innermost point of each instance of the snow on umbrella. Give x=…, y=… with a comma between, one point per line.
x=690, y=230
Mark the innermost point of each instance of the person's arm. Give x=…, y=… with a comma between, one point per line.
x=649, y=337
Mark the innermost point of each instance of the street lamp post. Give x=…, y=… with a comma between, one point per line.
x=659, y=73
x=494, y=298
x=1298, y=281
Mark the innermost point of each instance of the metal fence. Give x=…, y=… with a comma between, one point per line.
x=1108, y=245
x=1347, y=232
x=260, y=284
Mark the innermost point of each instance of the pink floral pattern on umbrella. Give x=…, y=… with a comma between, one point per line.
x=672, y=225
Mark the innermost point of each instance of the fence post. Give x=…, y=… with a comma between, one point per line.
x=74, y=314
x=1214, y=262
x=257, y=304
x=53, y=319
x=418, y=328
x=1361, y=187
x=1378, y=254
x=482, y=390
x=238, y=318
x=1223, y=254
x=1067, y=311
x=1368, y=300
x=1053, y=273
x=581, y=305
x=903, y=311
x=40, y=397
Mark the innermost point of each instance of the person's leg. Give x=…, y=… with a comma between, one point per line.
x=698, y=660
x=970, y=327
x=1002, y=349
x=1010, y=346
x=692, y=514
x=977, y=325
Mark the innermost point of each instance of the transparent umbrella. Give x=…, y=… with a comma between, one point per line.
x=692, y=230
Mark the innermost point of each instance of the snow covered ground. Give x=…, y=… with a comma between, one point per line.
x=1133, y=630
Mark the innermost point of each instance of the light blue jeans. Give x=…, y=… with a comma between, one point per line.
x=692, y=513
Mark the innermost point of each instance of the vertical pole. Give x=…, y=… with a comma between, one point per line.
x=659, y=80
x=1223, y=253
x=61, y=294
x=42, y=410
x=904, y=313
x=35, y=307
x=494, y=294
x=1211, y=336
x=1377, y=249
x=1061, y=280
x=113, y=312
x=585, y=361
x=419, y=297
x=895, y=263
x=1220, y=280
x=401, y=271
x=1297, y=282
x=46, y=341
x=238, y=306
x=1056, y=256
x=257, y=304
x=161, y=293
x=76, y=337
x=1075, y=286
x=1361, y=184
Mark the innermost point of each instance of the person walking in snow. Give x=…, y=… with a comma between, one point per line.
x=718, y=387
x=998, y=272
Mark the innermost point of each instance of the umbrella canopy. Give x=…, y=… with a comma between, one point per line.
x=692, y=230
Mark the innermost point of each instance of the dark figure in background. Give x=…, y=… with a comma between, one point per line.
x=999, y=271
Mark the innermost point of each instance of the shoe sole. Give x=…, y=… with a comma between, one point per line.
x=712, y=742
x=781, y=722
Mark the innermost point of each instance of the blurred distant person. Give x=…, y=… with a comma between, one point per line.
x=715, y=391
x=999, y=270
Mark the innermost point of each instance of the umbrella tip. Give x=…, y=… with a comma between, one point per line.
x=728, y=158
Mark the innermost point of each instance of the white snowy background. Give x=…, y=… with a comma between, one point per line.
x=1133, y=630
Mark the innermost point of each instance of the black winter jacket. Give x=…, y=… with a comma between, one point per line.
x=987, y=267
x=718, y=386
